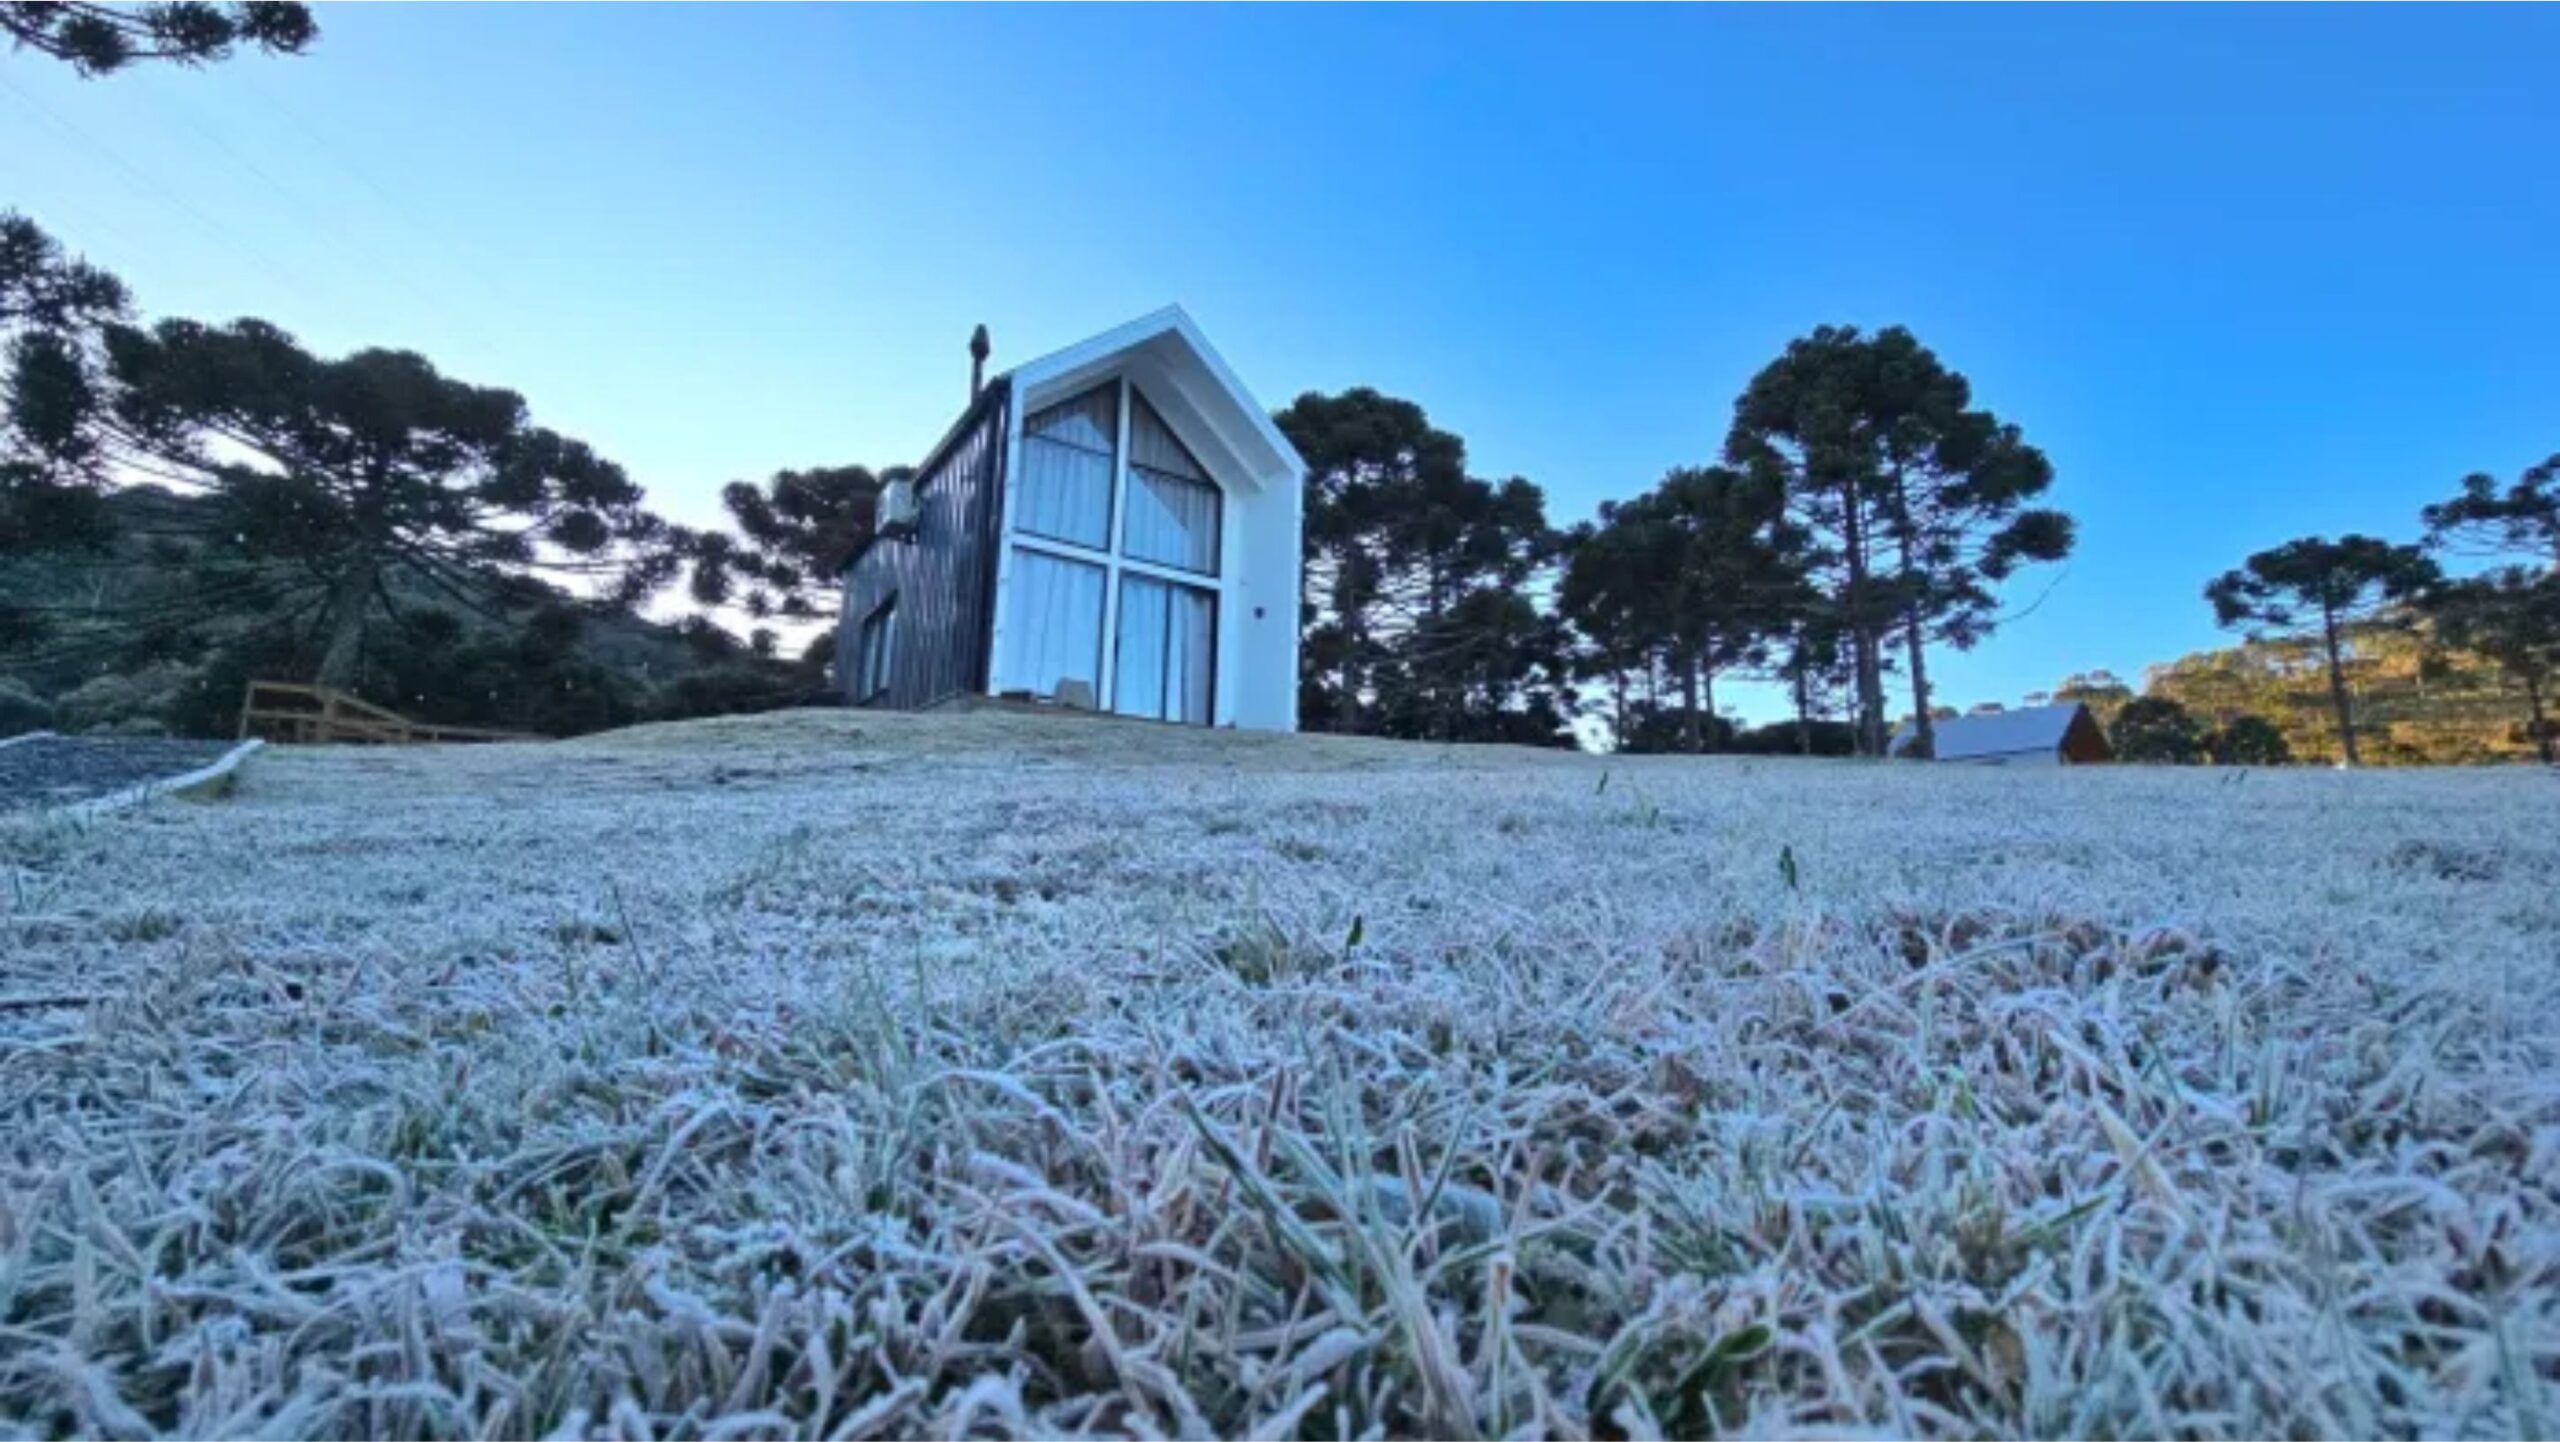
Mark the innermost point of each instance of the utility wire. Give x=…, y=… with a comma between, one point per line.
x=153, y=189
x=463, y=258
x=320, y=218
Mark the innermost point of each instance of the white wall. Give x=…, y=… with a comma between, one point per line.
x=1261, y=627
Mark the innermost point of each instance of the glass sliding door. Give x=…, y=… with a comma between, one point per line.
x=1166, y=658
x=1052, y=624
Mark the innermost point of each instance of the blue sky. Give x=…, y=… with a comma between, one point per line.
x=2244, y=274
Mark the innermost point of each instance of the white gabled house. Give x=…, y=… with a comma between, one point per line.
x=1114, y=525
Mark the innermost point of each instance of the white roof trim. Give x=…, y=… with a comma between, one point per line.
x=1172, y=320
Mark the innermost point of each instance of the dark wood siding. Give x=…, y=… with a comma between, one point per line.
x=944, y=578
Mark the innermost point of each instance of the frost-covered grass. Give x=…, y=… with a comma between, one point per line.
x=831, y=1075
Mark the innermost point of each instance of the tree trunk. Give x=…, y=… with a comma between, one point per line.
x=1924, y=730
x=2338, y=685
x=1804, y=712
x=1689, y=734
x=348, y=601
x=1350, y=718
x=1866, y=653
x=1871, y=732
x=1707, y=704
x=2541, y=727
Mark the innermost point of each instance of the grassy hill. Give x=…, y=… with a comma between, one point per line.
x=159, y=633
x=838, y=1073
x=2415, y=703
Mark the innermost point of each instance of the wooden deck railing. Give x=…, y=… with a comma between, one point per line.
x=292, y=714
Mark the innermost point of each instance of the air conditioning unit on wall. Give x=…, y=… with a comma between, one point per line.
x=899, y=510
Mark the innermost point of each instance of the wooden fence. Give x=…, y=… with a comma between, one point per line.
x=292, y=714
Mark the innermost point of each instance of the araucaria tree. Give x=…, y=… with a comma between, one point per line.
x=2511, y=617
x=1919, y=502
x=794, y=533
x=1957, y=483
x=339, y=478
x=2522, y=519
x=53, y=308
x=100, y=39
x=1412, y=567
x=1696, y=577
x=2316, y=588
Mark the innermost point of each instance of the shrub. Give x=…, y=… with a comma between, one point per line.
x=2251, y=741
x=1778, y=738
x=2157, y=730
x=154, y=694
x=22, y=710
x=732, y=690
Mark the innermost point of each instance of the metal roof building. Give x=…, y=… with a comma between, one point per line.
x=2059, y=735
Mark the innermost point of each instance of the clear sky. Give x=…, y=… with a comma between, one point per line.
x=2244, y=274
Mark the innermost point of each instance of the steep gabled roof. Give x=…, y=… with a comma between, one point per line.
x=1203, y=386
x=1187, y=379
x=1999, y=733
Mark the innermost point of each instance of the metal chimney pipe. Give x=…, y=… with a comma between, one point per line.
x=978, y=349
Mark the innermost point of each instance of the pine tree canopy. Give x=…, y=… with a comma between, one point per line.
x=102, y=39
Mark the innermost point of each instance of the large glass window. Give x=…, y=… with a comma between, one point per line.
x=1167, y=645
x=1162, y=660
x=1052, y=624
x=1173, y=506
x=1065, y=487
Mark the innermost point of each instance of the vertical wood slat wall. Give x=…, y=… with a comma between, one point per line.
x=944, y=578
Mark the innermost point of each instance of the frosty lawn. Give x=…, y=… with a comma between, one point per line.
x=852, y=1075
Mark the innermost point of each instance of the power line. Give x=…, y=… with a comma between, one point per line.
x=322, y=218
x=154, y=189
x=435, y=239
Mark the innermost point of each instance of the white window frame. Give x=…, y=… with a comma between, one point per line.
x=1115, y=563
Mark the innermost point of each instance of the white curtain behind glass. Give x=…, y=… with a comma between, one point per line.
x=1052, y=624
x=1138, y=680
x=1195, y=640
x=1153, y=444
x=1172, y=522
x=1064, y=490
x=1173, y=507
x=1166, y=640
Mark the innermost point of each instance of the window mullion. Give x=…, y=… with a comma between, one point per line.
x=1109, y=696
x=1120, y=478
